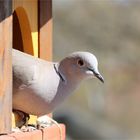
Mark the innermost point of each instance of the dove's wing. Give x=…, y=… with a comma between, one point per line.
x=24, y=68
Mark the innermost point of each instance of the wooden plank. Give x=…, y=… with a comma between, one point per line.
x=5, y=65
x=45, y=29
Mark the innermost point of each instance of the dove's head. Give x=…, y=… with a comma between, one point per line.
x=80, y=66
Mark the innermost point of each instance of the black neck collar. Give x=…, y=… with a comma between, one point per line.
x=59, y=74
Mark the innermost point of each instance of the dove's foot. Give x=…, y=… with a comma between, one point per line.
x=45, y=121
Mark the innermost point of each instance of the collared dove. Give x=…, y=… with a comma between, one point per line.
x=40, y=86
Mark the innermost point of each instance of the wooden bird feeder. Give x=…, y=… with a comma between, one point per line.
x=26, y=26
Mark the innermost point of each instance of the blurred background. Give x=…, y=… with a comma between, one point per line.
x=111, y=30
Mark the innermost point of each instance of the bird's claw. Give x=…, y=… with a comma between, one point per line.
x=43, y=122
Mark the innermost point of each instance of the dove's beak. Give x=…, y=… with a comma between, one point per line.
x=98, y=75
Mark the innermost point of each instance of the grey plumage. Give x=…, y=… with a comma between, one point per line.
x=40, y=86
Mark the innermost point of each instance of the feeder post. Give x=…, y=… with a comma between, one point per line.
x=5, y=65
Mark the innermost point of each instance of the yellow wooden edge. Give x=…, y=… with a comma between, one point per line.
x=35, y=43
x=32, y=119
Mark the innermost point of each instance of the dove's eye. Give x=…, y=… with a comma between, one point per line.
x=80, y=62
